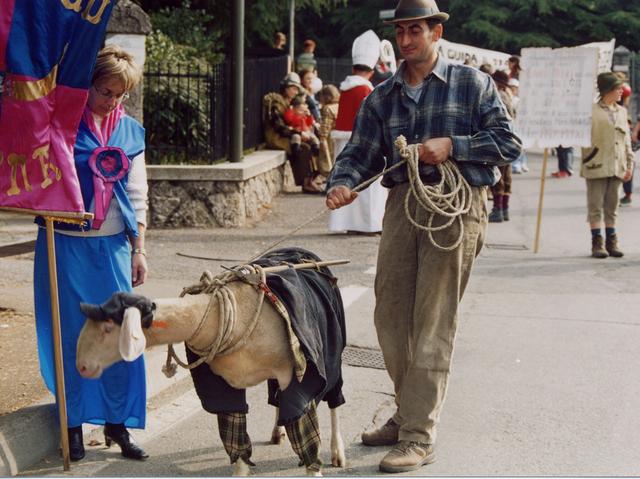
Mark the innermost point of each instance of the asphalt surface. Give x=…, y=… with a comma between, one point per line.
x=544, y=378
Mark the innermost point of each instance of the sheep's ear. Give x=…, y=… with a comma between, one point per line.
x=132, y=341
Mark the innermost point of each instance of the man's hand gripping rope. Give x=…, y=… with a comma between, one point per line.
x=450, y=198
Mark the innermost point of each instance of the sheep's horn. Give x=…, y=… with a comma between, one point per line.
x=93, y=311
x=115, y=306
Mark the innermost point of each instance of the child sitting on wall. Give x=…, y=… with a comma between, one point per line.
x=298, y=117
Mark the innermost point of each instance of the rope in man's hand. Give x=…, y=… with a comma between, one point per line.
x=450, y=198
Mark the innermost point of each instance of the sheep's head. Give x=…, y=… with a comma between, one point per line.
x=113, y=331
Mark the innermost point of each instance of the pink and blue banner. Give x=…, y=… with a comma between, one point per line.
x=47, y=52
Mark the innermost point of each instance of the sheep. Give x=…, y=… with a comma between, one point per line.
x=114, y=331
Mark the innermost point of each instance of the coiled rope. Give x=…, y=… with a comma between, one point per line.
x=450, y=198
x=222, y=344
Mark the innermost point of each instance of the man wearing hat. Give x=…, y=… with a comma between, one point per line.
x=606, y=164
x=453, y=111
x=365, y=214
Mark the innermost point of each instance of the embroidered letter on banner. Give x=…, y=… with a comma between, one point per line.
x=47, y=52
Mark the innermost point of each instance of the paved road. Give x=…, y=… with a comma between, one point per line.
x=544, y=379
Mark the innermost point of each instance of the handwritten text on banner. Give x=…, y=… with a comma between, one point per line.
x=556, y=95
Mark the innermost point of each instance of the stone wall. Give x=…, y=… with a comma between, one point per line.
x=228, y=195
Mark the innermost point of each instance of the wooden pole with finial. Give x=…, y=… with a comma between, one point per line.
x=57, y=342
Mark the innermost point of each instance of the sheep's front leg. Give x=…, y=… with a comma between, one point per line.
x=338, y=458
x=304, y=435
x=277, y=435
x=233, y=433
x=241, y=469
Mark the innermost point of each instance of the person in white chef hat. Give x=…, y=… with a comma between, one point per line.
x=387, y=65
x=364, y=215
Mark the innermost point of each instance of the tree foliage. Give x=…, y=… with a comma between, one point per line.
x=206, y=24
x=509, y=25
x=505, y=25
x=336, y=29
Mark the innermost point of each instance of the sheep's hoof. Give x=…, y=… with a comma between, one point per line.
x=240, y=469
x=314, y=473
x=338, y=458
x=278, y=435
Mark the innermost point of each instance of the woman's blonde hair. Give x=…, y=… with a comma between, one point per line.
x=113, y=61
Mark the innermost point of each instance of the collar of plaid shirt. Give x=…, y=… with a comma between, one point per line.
x=439, y=71
x=458, y=101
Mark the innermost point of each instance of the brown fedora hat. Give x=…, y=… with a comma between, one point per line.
x=416, y=10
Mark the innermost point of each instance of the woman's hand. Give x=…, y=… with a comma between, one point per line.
x=139, y=268
x=627, y=175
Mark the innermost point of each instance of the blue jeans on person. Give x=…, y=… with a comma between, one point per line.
x=521, y=161
x=565, y=159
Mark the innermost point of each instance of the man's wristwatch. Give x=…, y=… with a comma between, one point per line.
x=141, y=251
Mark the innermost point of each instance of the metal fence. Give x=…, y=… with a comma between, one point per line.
x=182, y=107
x=333, y=70
x=261, y=76
x=186, y=109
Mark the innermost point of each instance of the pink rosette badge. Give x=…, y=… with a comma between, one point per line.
x=109, y=165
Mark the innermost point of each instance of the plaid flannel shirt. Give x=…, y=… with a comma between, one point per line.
x=457, y=101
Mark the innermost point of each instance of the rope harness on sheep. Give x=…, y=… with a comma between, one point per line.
x=222, y=344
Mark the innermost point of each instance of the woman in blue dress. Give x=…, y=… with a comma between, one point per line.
x=100, y=257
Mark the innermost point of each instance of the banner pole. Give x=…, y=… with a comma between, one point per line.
x=57, y=343
x=536, y=243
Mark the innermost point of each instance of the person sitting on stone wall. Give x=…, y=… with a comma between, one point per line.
x=298, y=117
x=329, y=98
x=278, y=134
x=312, y=85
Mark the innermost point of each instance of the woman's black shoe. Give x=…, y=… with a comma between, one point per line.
x=76, y=446
x=117, y=433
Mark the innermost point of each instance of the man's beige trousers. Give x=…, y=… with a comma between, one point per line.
x=418, y=288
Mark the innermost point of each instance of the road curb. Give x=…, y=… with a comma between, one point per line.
x=26, y=437
x=30, y=434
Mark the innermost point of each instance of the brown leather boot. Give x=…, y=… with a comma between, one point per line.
x=408, y=456
x=597, y=247
x=387, y=435
x=612, y=247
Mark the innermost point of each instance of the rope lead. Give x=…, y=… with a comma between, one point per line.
x=450, y=198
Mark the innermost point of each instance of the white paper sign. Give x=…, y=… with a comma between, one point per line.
x=459, y=53
x=556, y=96
x=605, y=54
